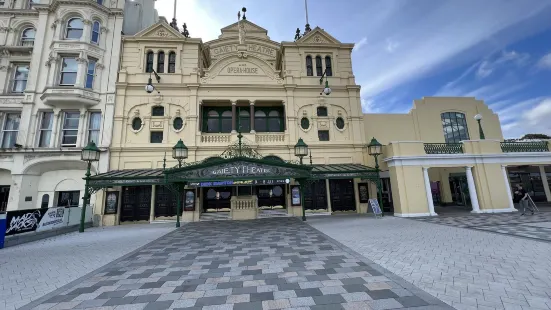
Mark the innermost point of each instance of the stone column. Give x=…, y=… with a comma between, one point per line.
x=81, y=128
x=152, y=211
x=472, y=191
x=545, y=183
x=233, y=117
x=251, y=102
x=81, y=71
x=328, y=190
x=428, y=190
x=508, y=185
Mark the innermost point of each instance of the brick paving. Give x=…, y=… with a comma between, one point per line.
x=279, y=263
x=28, y=271
x=465, y=267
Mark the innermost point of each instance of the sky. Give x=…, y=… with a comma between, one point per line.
x=498, y=51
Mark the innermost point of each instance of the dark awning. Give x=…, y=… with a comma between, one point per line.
x=343, y=171
x=128, y=177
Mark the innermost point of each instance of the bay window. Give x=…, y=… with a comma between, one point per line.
x=45, y=129
x=69, y=68
x=94, y=127
x=10, y=128
x=69, y=131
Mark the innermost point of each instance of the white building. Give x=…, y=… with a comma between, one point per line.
x=58, y=66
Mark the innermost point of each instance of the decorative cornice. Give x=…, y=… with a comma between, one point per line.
x=82, y=60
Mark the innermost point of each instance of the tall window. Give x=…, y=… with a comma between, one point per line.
x=309, y=70
x=319, y=68
x=95, y=32
x=268, y=120
x=74, y=30
x=10, y=129
x=158, y=111
x=46, y=123
x=161, y=62
x=328, y=68
x=69, y=69
x=244, y=120
x=93, y=127
x=217, y=120
x=20, y=78
x=171, y=62
x=27, y=37
x=90, y=73
x=70, y=129
x=455, y=127
x=149, y=62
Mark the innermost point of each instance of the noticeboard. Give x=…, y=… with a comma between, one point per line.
x=375, y=207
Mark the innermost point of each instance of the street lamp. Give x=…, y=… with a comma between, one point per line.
x=149, y=88
x=326, y=90
x=478, y=118
x=301, y=150
x=374, y=148
x=89, y=154
x=179, y=152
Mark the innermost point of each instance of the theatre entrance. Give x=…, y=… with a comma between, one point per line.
x=136, y=203
x=217, y=199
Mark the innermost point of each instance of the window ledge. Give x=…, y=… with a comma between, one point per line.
x=63, y=95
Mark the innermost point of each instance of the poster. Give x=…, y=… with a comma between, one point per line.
x=375, y=206
x=189, y=202
x=111, y=202
x=22, y=221
x=363, y=192
x=295, y=195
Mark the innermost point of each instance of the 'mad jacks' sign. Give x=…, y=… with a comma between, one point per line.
x=23, y=221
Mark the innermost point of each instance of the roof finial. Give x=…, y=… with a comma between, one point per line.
x=244, y=9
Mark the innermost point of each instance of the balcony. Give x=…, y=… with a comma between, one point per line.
x=270, y=138
x=69, y=96
x=443, y=148
x=535, y=146
x=215, y=139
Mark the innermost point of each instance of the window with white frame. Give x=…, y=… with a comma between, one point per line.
x=27, y=37
x=74, y=28
x=69, y=130
x=90, y=73
x=10, y=127
x=69, y=68
x=95, y=32
x=45, y=129
x=94, y=126
x=20, y=77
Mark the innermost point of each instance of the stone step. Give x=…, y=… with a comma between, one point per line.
x=215, y=216
x=272, y=213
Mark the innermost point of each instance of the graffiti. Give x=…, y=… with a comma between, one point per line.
x=25, y=222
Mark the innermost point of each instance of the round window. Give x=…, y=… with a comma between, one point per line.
x=305, y=123
x=340, y=122
x=178, y=123
x=137, y=123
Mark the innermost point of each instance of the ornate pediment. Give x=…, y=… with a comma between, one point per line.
x=249, y=27
x=160, y=30
x=241, y=69
x=318, y=36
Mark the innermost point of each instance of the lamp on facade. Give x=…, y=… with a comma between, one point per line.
x=478, y=118
x=326, y=90
x=374, y=148
x=179, y=152
x=301, y=149
x=89, y=154
x=149, y=88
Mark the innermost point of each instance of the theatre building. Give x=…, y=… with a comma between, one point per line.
x=244, y=106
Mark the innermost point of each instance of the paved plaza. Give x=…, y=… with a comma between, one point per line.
x=279, y=263
x=465, y=267
x=29, y=271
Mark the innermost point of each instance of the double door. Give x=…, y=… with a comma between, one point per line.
x=271, y=196
x=217, y=199
x=136, y=203
x=342, y=195
x=165, y=202
x=315, y=196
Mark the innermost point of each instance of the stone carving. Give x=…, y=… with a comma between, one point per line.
x=104, y=29
x=82, y=60
x=54, y=24
x=3, y=68
x=163, y=33
x=111, y=99
x=51, y=60
x=99, y=66
x=241, y=33
x=9, y=101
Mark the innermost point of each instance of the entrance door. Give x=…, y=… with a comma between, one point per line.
x=342, y=195
x=217, y=199
x=315, y=196
x=136, y=203
x=4, y=195
x=165, y=201
x=460, y=190
x=271, y=196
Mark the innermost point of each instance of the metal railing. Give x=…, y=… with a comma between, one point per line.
x=443, y=148
x=535, y=146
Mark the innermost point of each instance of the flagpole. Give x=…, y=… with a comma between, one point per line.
x=174, y=9
x=306, y=7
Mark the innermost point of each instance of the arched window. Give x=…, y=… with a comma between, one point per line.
x=273, y=158
x=171, y=62
x=75, y=26
x=328, y=68
x=309, y=71
x=268, y=120
x=161, y=62
x=95, y=33
x=217, y=120
x=212, y=121
x=274, y=121
x=319, y=68
x=226, y=121
x=45, y=201
x=260, y=121
x=27, y=37
x=455, y=127
x=149, y=62
x=244, y=120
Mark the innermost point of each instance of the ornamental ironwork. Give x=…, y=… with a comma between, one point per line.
x=444, y=148
x=534, y=146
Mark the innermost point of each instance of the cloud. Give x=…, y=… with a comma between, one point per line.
x=359, y=45
x=533, y=118
x=488, y=66
x=545, y=62
x=448, y=36
x=391, y=45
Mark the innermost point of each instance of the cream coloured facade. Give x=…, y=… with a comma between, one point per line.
x=58, y=66
x=245, y=90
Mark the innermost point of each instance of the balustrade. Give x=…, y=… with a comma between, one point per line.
x=269, y=137
x=443, y=148
x=216, y=138
x=535, y=146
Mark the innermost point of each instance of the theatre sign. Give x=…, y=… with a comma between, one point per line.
x=252, y=48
